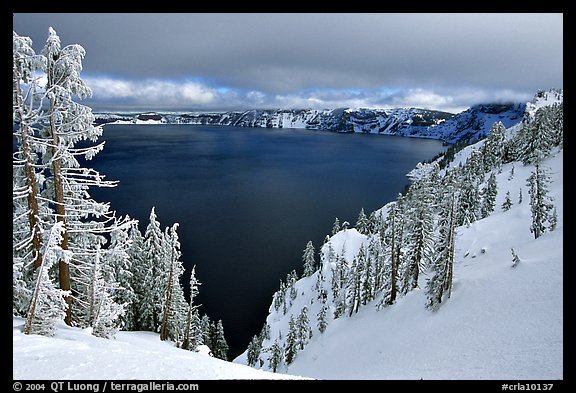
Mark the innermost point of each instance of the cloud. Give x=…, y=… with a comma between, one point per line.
x=162, y=94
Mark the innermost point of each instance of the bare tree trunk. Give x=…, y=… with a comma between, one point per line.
x=168, y=304
x=63, y=267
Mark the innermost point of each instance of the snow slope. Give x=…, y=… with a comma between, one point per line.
x=74, y=354
x=499, y=323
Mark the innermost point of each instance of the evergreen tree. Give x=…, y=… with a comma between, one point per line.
x=253, y=351
x=336, y=226
x=155, y=276
x=291, y=345
x=140, y=266
x=489, y=196
x=276, y=356
x=309, y=260
x=362, y=223
x=540, y=203
x=322, y=322
x=507, y=204
x=206, y=328
x=515, y=258
x=304, y=332
x=47, y=305
x=192, y=331
x=493, y=148
x=440, y=285
x=536, y=138
x=220, y=349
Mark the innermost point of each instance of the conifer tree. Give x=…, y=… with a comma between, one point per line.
x=192, y=331
x=507, y=204
x=309, y=260
x=276, y=356
x=291, y=346
x=336, y=226
x=253, y=350
x=540, y=203
x=220, y=349
x=489, y=196
x=439, y=285
x=362, y=223
x=47, y=305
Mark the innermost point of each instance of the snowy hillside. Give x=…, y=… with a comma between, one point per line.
x=500, y=322
x=76, y=354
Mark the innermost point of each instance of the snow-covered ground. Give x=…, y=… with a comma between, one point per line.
x=500, y=322
x=74, y=354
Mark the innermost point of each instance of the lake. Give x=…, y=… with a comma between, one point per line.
x=249, y=199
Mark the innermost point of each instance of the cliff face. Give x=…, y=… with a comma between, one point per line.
x=473, y=124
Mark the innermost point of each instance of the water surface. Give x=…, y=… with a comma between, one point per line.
x=249, y=199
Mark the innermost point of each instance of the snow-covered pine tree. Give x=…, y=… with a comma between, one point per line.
x=192, y=331
x=47, y=305
x=322, y=315
x=139, y=265
x=220, y=346
x=540, y=202
x=493, y=148
x=104, y=313
x=156, y=276
x=309, y=260
x=439, y=285
x=536, y=138
x=253, y=351
x=120, y=272
x=27, y=231
x=507, y=204
x=206, y=328
x=489, y=193
x=419, y=239
x=64, y=124
x=276, y=356
x=303, y=329
x=291, y=345
x=175, y=307
x=336, y=226
x=362, y=222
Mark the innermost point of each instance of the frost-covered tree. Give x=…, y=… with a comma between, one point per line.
x=536, y=138
x=322, y=321
x=174, y=308
x=507, y=204
x=253, y=351
x=540, y=202
x=291, y=345
x=489, y=193
x=336, y=226
x=362, y=223
x=55, y=125
x=192, y=331
x=276, y=356
x=419, y=239
x=309, y=259
x=27, y=231
x=155, y=276
x=439, y=286
x=303, y=328
x=220, y=346
x=139, y=265
x=103, y=312
x=493, y=148
x=47, y=305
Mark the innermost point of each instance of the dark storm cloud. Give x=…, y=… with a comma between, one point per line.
x=232, y=59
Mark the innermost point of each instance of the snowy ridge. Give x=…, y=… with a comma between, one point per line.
x=499, y=323
x=471, y=125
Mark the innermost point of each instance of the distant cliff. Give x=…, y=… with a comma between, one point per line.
x=471, y=125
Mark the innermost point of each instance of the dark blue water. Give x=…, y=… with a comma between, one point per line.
x=249, y=199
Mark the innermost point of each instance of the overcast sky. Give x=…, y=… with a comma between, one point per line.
x=238, y=61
